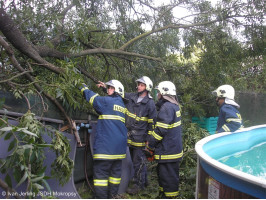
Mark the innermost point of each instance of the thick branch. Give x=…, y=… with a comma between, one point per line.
x=46, y=51
x=17, y=39
x=112, y=51
x=30, y=78
x=170, y=26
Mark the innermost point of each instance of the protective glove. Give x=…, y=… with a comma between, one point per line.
x=149, y=154
x=83, y=87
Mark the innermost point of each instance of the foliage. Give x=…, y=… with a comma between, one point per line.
x=26, y=154
x=63, y=165
x=215, y=53
x=205, y=47
x=188, y=168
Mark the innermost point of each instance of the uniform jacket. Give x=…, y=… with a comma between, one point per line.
x=139, y=118
x=111, y=134
x=229, y=119
x=166, y=139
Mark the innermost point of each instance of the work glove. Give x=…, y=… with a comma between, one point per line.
x=83, y=87
x=149, y=154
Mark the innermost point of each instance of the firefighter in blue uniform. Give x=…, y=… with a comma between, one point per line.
x=166, y=140
x=229, y=117
x=110, y=142
x=140, y=114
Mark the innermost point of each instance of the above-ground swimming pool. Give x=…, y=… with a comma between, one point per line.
x=232, y=165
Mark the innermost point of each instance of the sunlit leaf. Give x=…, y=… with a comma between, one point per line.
x=5, y=129
x=25, y=176
x=27, y=132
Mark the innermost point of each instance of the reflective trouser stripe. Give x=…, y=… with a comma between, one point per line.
x=103, y=182
x=171, y=194
x=100, y=182
x=114, y=180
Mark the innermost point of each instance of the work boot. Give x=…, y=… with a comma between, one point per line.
x=134, y=189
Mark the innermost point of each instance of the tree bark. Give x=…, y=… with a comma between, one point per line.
x=17, y=39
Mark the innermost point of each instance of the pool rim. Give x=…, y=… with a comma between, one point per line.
x=225, y=168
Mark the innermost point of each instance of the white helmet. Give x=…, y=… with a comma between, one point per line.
x=119, y=88
x=225, y=91
x=166, y=88
x=147, y=81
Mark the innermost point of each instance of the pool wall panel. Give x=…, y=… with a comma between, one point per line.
x=217, y=180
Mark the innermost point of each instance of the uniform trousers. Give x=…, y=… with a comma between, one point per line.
x=168, y=178
x=106, y=178
x=139, y=164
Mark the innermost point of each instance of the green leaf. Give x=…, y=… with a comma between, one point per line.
x=27, y=146
x=17, y=174
x=8, y=136
x=46, y=185
x=8, y=181
x=25, y=176
x=38, y=186
x=46, y=177
x=42, y=171
x=11, y=145
x=27, y=132
x=43, y=145
x=37, y=179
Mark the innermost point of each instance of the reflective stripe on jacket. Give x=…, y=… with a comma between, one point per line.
x=229, y=119
x=166, y=139
x=139, y=118
x=111, y=134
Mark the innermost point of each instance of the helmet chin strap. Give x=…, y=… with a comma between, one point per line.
x=140, y=93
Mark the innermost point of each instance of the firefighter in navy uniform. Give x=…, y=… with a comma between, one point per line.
x=166, y=140
x=229, y=117
x=140, y=114
x=110, y=142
